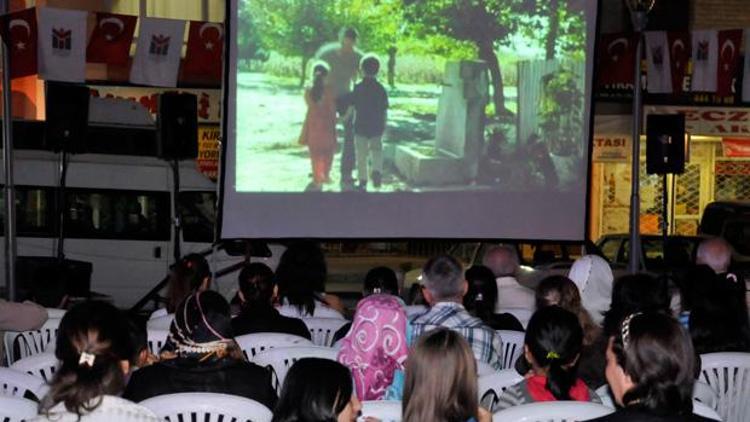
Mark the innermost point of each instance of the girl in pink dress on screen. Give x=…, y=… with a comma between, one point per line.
x=319, y=129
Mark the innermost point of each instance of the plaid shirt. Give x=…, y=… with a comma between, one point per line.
x=483, y=340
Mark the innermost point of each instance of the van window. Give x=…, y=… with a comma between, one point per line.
x=197, y=210
x=117, y=214
x=35, y=209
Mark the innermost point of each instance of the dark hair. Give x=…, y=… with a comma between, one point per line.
x=555, y=338
x=314, y=390
x=482, y=294
x=370, y=65
x=301, y=274
x=443, y=277
x=441, y=379
x=635, y=293
x=91, y=328
x=655, y=351
x=349, y=32
x=256, y=284
x=381, y=280
x=563, y=292
x=139, y=339
x=186, y=277
x=320, y=71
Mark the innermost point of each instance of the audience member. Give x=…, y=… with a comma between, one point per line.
x=481, y=298
x=635, y=293
x=553, y=344
x=317, y=390
x=650, y=370
x=444, y=290
x=504, y=263
x=200, y=355
x=301, y=276
x=376, y=345
x=381, y=280
x=716, y=253
x=190, y=275
x=142, y=356
x=441, y=381
x=94, y=349
x=593, y=276
x=257, y=293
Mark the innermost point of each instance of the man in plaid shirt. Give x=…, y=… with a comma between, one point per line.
x=444, y=289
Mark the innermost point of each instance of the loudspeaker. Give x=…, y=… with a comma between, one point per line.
x=177, y=126
x=665, y=144
x=67, y=109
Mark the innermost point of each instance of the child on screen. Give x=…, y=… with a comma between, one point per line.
x=319, y=128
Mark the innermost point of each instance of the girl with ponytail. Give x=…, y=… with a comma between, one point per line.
x=93, y=347
x=319, y=128
x=553, y=343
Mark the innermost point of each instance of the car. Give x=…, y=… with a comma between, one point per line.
x=680, y=252
x=731, y=221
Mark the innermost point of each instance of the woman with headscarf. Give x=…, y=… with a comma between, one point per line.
x=200, y=355
x=376, y=346
x=593, y=276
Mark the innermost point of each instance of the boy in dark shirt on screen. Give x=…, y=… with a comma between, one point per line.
x=369, y=103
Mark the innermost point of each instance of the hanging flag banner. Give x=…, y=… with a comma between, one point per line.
x=19, y=34
x=705, y=60
x=679, y=56
x=729, y=57
x=157, y=54
x=616, y=61
x=203, y=57
x=111, y=39
x=62, y=44
x=659, y=69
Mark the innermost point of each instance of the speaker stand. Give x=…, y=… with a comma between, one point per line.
x=175, y=163
x=63, y=168
x=664, y=215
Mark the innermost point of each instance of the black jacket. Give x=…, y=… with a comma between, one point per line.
x=625, y=415
x=266, y=319
x=180, y=375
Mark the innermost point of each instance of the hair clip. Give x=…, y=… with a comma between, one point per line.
x=376, y=290
x=86, y=359
x=626, y=329
x=552, y=355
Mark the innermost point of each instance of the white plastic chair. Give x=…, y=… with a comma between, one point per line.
x=523, y=315
x=207, y=407
x=155, y=338
x=706, y=395
x=32, y=342
x=280, y=359
x=728, y=374
x=16, y=383
x=161, y=312
x=16, y=409
x=512, y=346
x=484, y=368
x=383, y=410
x=160, y=323
x=42, y=366
x=252, y=344
x=55, y=313
x=701, y=409
x=323, y=329
x=605, y=395
x=491, y=386
x=412, y=310
x=552, y=411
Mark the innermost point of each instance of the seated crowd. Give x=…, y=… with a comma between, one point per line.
x=639, y=334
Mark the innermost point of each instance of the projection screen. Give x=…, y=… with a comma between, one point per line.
x=407, y=119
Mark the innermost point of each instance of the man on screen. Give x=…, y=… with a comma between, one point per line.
x=343, y=59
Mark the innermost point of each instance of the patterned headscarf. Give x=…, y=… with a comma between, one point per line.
x=201, y=328
x=376, y=345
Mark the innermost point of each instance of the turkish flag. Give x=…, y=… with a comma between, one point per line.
x=729, y=59
x=679, y=53
x=19, y=34
x=111, y=39
x=616, y=60
x=205, y=46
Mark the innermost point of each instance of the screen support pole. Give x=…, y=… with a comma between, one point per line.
x=8, y=188
x=634, y=265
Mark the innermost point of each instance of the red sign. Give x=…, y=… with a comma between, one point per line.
x=736, y=147
x=711, y=121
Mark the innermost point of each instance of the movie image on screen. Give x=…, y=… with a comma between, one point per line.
x=410, y=96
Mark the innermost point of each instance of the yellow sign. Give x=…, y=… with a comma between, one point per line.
x=209, y=138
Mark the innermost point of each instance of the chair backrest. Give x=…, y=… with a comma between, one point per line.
x=42, y=366
x=280, y=359
x=55, y=313
x=323, y=329
x=605, y=395
x=552, y=411
x=160, y=323
x=158, y=313
x=16, y=409
x=383, y=410
x=252, y=344
x=491, y=386
x=412, y=310
x=701, y=409
x=484, y=368
x=155, y=338
x=512, y=346
x=16, y=383
x=728, y=374
x=26, y=343
x=523, y=315
x=207, y=407
x=703, y=393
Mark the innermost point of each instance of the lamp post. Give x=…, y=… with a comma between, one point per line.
x=639, y=17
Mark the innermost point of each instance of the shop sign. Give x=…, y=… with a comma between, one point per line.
x=709, y=121
x=611, y=148
x=736, y=147
x=208, y=151
x=209, y=100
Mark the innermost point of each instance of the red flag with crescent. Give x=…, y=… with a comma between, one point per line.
x=205, y=47
x=729, y=60
x=111, y=39
x=679, y=52
x=19, y=32
x=616, y=60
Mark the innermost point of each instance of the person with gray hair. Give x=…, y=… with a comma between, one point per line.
x=504, y=263
x=444, y=287
x=715, y=253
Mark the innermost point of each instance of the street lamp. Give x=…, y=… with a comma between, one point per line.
x=639, y=17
